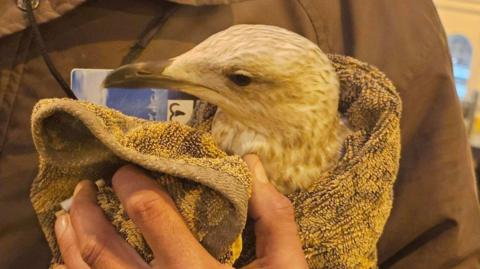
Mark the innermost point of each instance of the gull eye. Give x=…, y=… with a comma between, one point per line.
x=240, y=79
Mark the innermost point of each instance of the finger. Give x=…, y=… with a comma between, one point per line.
x=67, y=243
x=275, y=229
x=99, y=244
x=155, y=214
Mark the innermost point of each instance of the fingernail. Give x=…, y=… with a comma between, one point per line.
x=78, y=187
x=62, y=222
x=59, y=213
x=256, y=167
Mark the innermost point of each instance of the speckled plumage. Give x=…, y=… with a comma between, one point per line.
x=287, y=114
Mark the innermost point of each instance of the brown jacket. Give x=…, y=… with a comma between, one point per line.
x=435, y=222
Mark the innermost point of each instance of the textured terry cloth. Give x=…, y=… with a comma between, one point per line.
x=340, y=218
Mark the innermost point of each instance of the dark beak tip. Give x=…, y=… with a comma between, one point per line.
x=108, y=82
x=117, y=76
x=105, y=84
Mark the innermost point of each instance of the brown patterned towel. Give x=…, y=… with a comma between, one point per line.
x=340, y=217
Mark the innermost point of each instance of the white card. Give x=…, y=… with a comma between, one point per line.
x=146, y=103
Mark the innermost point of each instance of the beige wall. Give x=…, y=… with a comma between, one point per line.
x=463, y=17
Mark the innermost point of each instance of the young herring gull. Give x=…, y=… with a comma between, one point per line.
x=277, y=96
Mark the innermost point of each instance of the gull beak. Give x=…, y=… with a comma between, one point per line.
x=139, y=75
x=151, y=75
x=162, y=75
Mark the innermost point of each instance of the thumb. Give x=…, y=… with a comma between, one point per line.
x=276, y=235
x=266, y=200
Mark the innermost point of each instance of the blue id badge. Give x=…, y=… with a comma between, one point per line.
x=146, y=103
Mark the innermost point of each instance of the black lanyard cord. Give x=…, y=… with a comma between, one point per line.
x=144, y=39
x=43, y=51
x=148, y=33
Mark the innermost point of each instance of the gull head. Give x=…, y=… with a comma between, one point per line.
x=265, y=77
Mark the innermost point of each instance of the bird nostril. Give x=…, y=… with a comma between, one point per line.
x=143, y=72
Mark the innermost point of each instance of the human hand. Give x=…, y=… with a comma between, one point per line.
x=88, y=240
